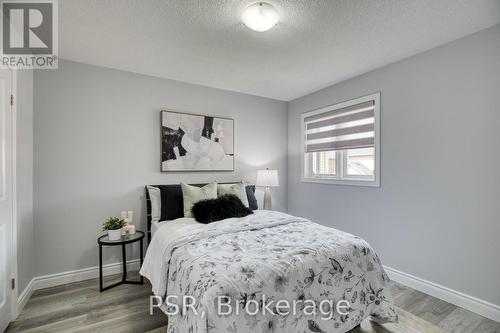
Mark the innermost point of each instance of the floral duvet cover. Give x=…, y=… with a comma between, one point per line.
x=240, y=273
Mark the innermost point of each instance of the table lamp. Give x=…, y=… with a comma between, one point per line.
x=267, y=178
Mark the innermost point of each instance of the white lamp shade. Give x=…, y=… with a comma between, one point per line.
x=267, y=178
x=260, y=16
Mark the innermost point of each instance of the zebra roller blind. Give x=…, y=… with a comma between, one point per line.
x=346, y=127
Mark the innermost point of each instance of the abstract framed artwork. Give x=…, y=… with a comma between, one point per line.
x=192, y=142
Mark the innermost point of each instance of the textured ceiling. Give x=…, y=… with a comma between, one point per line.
x=317, y=42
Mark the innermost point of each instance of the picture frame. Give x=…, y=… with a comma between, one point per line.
x=193, y=142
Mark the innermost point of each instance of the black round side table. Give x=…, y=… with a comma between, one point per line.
x=124, y=240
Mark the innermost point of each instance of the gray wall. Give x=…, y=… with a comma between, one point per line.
x=437, y=213
x=24, y=179
x=97, y=143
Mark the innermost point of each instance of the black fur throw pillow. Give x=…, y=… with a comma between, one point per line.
x=225, y=206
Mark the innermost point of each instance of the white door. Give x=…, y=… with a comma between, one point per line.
x=6, y=209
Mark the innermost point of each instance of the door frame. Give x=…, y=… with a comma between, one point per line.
x=13, y=266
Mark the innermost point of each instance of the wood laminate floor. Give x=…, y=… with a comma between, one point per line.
x=80, y=307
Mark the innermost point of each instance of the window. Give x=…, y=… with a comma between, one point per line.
x=341, y=143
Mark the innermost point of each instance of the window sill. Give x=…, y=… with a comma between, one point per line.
x=348, y=182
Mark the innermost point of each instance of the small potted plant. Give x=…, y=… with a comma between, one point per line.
x=114, y=227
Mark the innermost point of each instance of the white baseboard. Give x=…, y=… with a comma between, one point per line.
x=471, y=303
x=25, y=296
x=52, y=280
x=78, y=275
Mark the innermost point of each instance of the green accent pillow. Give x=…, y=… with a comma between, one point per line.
x=193, y=194
x=237, y=189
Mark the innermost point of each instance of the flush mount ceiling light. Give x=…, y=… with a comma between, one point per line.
x=260, y=16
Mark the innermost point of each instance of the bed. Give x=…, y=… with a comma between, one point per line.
x=256, y=265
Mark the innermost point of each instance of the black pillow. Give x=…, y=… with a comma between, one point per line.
x=225, y=206
x=252, y=201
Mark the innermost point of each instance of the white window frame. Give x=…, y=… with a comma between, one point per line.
x=341, y=178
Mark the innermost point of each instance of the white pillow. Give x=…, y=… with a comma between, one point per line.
x=237, y=189
x=155, y=200
x=193, y=194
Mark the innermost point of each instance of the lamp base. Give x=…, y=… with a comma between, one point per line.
x=268, y=205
